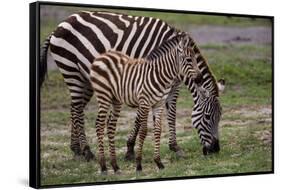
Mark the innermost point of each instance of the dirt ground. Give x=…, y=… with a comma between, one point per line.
x=238, y=35
x=249, y=115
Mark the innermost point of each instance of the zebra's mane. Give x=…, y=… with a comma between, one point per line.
x=204, y=67
x=163, y=48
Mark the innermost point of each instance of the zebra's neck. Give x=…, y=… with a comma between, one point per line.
x=164, y=63
x=209, y=80
x=164, y=49
x=164, y=70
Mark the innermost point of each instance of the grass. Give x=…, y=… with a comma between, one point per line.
x=245, y=127
x=245, y=152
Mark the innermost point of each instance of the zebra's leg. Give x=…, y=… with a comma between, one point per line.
x=111, y=128
x=100, y=125
x=79, y=144
x=171, y=106
x=76, y=115
x=142, y=114
x=157, y=117
x=81, y=93
x=86, y=151
x=130, y=154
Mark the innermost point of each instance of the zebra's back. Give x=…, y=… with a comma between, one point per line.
x=83, y=36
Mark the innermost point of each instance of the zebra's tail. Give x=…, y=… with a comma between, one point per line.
x=43, y=60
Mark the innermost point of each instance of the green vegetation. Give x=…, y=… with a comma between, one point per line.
x=243, y=151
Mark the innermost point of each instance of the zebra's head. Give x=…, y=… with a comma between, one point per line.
x=206, y=115
x=187, y=60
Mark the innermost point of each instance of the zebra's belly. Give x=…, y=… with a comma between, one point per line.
x=161, y=101
x=131, y=102
x=135, y=102
x=158, y=99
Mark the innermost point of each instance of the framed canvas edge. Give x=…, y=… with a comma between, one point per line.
x=272, y=93
x=34, y=96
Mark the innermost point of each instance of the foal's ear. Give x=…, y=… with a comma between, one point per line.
x=191, y=52
x=184, y=40
x=221, y=85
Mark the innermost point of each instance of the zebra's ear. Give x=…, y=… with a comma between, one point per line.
x=221, y=85
x=184, y=40
x=191, y=52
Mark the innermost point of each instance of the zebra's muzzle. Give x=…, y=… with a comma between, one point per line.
x=213, y=148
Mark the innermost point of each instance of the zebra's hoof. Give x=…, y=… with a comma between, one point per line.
x=89, y=156
x=160, y=165
x=138, y=168
x=118, y=172
x=130, y=156
x=175, y=148
x=139, y=172
x=77, y=153
x=158, y=162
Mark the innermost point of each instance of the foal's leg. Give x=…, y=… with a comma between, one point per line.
x=130, y=155
x=100, y=125
x=157, y=116
x=142, y=114
x=111, y=128
x=171, y=106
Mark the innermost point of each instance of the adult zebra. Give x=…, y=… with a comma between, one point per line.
x=140, y=83
x=79, y=39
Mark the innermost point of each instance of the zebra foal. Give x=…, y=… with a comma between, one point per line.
x=143, y=83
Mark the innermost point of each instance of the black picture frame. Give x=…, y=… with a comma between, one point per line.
x=34, y=99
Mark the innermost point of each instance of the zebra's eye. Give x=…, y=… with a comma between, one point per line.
x=207, y=116
x=188, y=59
